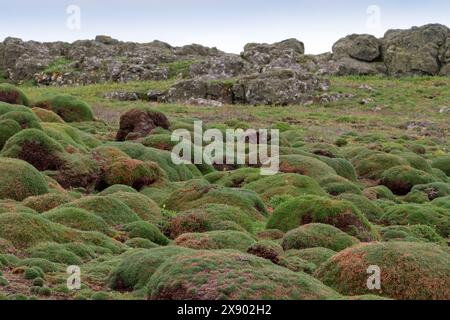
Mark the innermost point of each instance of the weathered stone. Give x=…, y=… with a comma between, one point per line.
x=362, y=47
x=417, y=51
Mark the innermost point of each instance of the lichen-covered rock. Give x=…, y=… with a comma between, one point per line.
x=416, y=51
x=360, y=47
x=410, y=271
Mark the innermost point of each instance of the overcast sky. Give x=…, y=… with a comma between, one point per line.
x=225, y=24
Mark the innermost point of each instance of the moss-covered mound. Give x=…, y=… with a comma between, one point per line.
x=336, y=185
x=36, y=148
x=378, y=193
x=433, y=190
x=145, y=230
x=285, y=184
x=69, y=108
x=208, y=218
x=78, y=219
x=317, y=255
x=222, y=275
x=137, y=266
x=14, y=206
x=411, y=214
x=307, y=166
x=8, y=128
x=145, y=208
x=47, y=201
x=78, y=171
x=412, y=233
x=163, y=158
x=401, y=179
x=25, y=230
x=442, y=202
x=159, y=141
x=26, y=120
x=113, y=211
x=12, y=95
x=141, y=243
x=20, y=180
x=117, y=188
x=266, y=249
x=369, y=208
x=371, y=165
x=442, y=163
x=292, y=261
x=214, y=240
x=313, y=209
x=318, y=235
x=199, y=193
x=234, y=179
x=408, y=270
x=72, y=139
x=134, y=173
x=107, y=155
x=47, y=115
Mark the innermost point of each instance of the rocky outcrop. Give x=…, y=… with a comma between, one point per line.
x=279, y=73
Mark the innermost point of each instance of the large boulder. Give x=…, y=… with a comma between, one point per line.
x=362, y=47
x=417, y=51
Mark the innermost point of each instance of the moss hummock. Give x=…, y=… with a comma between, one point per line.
x=400, y=180
x=26, y=120
x=285, y=184
x=313, y=209
x=410, y=271
x=13, y=95
x=208, y=218
x=20, y=180
x=318, y=235
x=216, y=240
x=113, y=211
x=69, y=108
x=134, y=173
x=230, y=275
x=8, y=128
x=425, y=214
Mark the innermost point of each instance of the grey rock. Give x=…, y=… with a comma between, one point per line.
x=361, y=47
x=417, y=51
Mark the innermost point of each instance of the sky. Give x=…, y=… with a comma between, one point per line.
x=225, y=24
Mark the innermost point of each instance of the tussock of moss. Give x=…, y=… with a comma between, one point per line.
x=26, y=120
x=20, y=180
x=13, y=95
x=47, y=201
x=412, y=271
x=216, y=240
x=114, y=212
x=318, y=235
x=400, y=180
x=223, y=275
x=313, y=209
x=411, y=214
x=69, y=108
